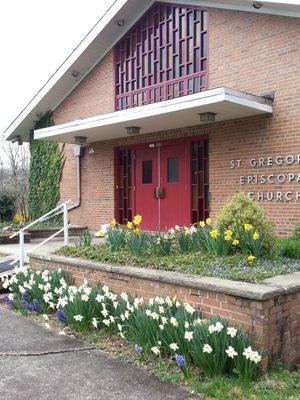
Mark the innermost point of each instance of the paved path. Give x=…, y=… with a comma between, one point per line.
x=38, y=364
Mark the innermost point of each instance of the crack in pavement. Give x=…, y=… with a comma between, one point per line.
x=45, y=353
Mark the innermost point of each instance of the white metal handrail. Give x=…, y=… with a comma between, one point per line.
x=65, y=229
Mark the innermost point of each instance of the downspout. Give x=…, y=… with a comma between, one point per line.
x=78, y=150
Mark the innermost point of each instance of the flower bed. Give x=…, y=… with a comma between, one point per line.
x=159, y=327
x=235, y=267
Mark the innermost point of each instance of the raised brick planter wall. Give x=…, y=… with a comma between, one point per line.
x=271, y=310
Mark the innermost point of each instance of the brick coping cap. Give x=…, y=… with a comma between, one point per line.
x=270, y=288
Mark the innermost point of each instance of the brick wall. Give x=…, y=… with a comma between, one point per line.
x=274, y=321
x=247, y=51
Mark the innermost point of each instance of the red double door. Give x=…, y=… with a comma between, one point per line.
x=162, y=185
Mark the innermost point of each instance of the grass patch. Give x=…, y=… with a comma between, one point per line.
x=235, y=267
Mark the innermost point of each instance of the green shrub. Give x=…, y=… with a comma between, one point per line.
x=240, y=210
x=7, y=207
x=289, y=247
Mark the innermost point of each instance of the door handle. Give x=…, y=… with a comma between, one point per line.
x=158, y=192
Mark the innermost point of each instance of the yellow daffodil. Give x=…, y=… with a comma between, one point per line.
x=137, y=220
x=248, y=227
x=137, y=231
x=100, y=234
x=256, y=236
x=235, y=242
x=228, y=232
x=113, y=222
x=129, y=225
x=208, y=221
x=202, y=224
x=227, y=238
x=214, y=233
x=186, y=232
x=251, y=259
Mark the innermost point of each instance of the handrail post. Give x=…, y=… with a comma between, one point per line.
x=66, y=225
x=21, y=255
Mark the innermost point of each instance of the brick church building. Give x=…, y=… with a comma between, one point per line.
x=168, y=108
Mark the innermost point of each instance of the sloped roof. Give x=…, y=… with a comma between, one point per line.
x=100, y=39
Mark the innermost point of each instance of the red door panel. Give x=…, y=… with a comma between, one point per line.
x=175, y=181
x=146, y=179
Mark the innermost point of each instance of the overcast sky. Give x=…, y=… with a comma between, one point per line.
x=35, y=37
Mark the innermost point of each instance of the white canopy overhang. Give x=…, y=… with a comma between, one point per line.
x=181, y=112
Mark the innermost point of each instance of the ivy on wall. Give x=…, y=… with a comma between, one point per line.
x=46, y=165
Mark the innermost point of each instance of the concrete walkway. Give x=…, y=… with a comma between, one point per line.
x=38, y=364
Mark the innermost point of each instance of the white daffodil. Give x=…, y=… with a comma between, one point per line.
x=174, y=321
x=188, y=335
x=155, y=316
x=126, y=314
x=155, y=350
x=104, y=312
x=231, y=352
x=186, y=325
x=120, y=327
x=198, y=321
x=115, y=305
x=255, y=357
x=164, y=320
x=105, y=289
x=174, y=346
x=148, y=312
x=151, y=302
x=106, y=322
x=218, y=327
x=95, y=323
x=168, y=301
x=85, y=297
x=161, y=327
x=231, y=332
x=78, y=317
x=207, y=349
x=87, y=290
x=124, y=296
x=21, y=289
x=99, y=298
x=248, y=352
x=161, y=309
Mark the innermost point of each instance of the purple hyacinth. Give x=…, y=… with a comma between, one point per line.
x=8, y=300
x=138, y=349
x=180, y=360
x=37, y=306
x=28, y=306
x=61, y=316
x=24, y=297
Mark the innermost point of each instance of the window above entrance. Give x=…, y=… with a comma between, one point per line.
x=163, y=56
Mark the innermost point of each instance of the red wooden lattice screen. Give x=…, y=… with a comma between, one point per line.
x=200, y=181
x=163, y=56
